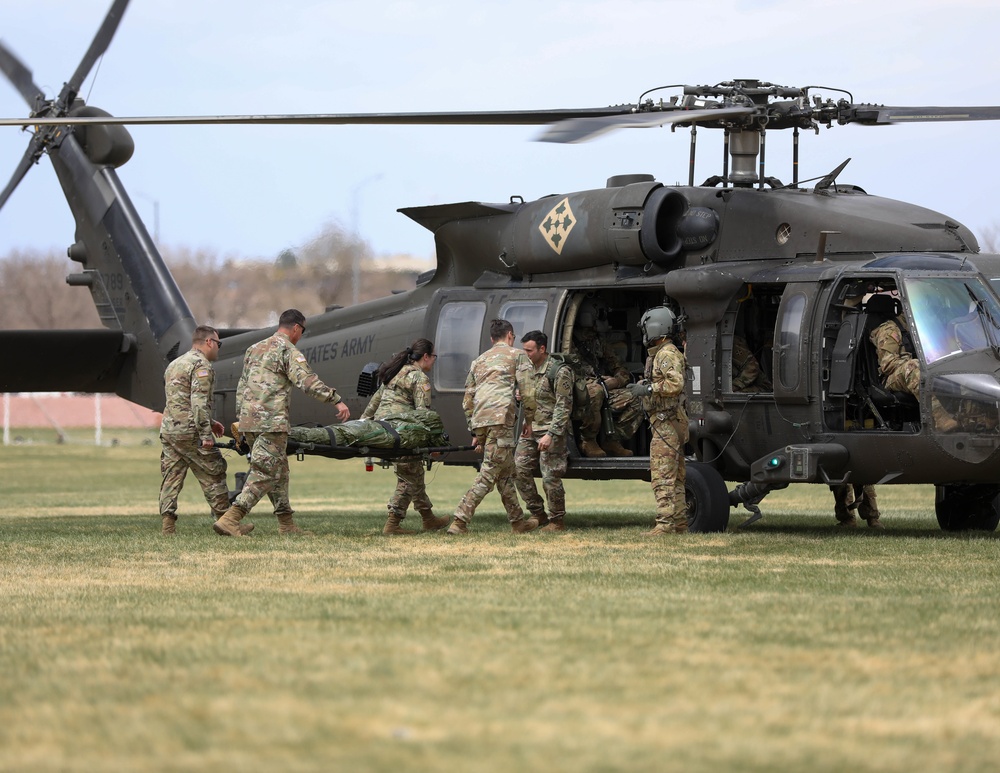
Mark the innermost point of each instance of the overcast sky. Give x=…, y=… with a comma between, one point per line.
x=253, y=191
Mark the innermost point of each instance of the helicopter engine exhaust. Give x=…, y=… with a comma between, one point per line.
x=632, y=224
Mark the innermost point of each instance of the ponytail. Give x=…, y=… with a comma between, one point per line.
x=389, y=370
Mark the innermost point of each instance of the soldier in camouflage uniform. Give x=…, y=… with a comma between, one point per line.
x=187, y=429
x=490, y=410
x=848, y=497
x=270, y=369
x=899, y=369
x=546, y=389
x=607, y=379
x=405, y=386
x=661, y=391
x=747, y=373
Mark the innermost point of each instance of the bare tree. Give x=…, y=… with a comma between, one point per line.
x=34, y=294
x=989, y=239
x=225, y=292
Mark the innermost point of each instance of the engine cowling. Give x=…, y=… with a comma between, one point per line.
x=631, y=224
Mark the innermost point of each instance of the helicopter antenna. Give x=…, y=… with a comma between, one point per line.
x=831, y=178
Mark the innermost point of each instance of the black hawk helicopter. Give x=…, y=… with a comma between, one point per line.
x=787, y=269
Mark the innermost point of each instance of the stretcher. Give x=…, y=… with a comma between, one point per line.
x=415, y=433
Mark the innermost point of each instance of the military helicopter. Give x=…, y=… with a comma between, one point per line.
x=742, y=255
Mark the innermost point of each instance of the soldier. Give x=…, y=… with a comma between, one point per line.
x=405, y=386
x=899, y=369
x=848, y=497
x=747, y=373
x=546, y=388
x=490, y=411
x=270, y=369
x=661, y=391
x=607, y=379
x=187, y=428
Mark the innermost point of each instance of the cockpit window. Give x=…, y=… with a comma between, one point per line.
x=952, y=315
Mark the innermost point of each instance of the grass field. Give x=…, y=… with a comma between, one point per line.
x=791, y=646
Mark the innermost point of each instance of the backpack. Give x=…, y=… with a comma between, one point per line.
x=581, y=397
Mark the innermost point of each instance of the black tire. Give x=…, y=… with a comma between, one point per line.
x=960, y=508
x=707, y=499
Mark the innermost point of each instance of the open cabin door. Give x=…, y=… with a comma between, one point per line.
x=794, y=358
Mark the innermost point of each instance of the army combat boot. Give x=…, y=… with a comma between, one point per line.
x=170, y=524
x=392, y=526
x=432, y=522
x=554, y=524
x=245, y=528
x=613, y=447
x=229, y=524
x=661, y=529
x=286, y=525
x=524, y=525
x=590, y=449
x=458, y=526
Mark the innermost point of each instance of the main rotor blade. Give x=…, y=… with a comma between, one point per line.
x=18, y=74
x=484, y=118
x=873, y=115
x=583, y=129
x=97, y=48
x=27, y=161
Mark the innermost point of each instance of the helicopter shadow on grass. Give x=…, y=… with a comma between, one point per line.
x=828, y=528
x=595, y=520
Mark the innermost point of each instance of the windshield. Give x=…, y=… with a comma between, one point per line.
x=952, y=315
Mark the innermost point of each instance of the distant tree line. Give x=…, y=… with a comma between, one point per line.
x=224, y=291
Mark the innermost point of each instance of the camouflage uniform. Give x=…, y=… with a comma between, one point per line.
x=601, y=362
x=901, y=370
x=491, y=412
x=848, y=497
x=547, y=405
x=747, y=375
x=665, y=370
x=187, y=422
x=408, y=389
x=270, y=369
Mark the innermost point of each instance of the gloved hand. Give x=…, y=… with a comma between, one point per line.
x=639, y=389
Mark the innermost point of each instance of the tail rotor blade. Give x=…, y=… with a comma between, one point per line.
x=18, y=74
x=97, y=48
x=27, y=161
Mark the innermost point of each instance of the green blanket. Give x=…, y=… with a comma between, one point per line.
x=418, y=428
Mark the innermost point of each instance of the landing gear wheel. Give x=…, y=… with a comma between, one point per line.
x=707, y=499
x=959, y=508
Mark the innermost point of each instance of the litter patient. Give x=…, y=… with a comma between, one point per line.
x=416, y=428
